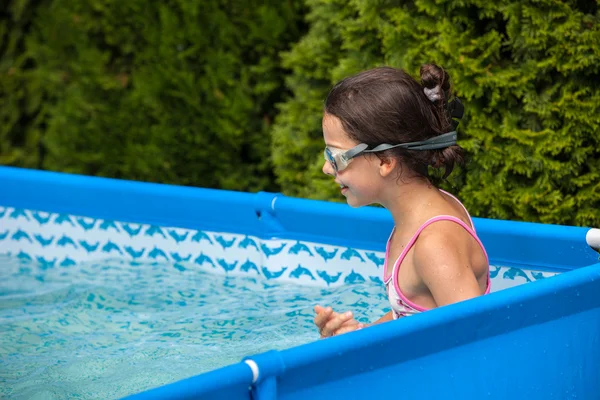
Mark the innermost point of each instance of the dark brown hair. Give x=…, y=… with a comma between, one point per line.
x=386, y=105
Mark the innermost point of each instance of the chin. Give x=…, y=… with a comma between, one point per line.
x=355, y=203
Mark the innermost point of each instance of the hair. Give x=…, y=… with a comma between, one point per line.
x=386, y=105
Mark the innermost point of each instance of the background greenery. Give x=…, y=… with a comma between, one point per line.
x=173, y=91
x=228, y=94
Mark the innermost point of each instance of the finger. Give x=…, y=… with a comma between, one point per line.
x=346, y=329
x=350, y=322
x=336, y=323
x=323, y=317
x=354, y=326
x=319, y=309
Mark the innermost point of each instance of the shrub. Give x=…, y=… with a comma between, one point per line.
x=173, y=91
x=527, y=71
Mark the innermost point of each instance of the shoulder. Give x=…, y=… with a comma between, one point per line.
x=442, y=245
x=441, y=259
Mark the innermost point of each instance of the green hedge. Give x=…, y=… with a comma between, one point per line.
x=185, y=92
x=527, y=71
x=174, y=91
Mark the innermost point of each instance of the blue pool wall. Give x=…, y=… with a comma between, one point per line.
x=62, y=219
x=538, y=341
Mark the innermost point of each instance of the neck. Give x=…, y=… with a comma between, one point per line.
x=408, y=200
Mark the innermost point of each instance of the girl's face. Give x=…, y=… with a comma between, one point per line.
x=360, y=181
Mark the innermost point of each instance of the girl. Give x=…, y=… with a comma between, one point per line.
x=382, y=131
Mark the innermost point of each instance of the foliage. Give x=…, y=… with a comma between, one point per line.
x=175, y=91
x=527, y=71
x=184, y=92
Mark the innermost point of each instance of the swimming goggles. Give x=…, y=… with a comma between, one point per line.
x=340, y=159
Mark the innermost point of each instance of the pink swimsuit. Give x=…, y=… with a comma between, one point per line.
x=401, y=306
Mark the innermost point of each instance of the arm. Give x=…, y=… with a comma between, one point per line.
x=441, y=260
x=331, y=323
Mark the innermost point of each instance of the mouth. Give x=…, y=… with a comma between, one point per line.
x=343, y=187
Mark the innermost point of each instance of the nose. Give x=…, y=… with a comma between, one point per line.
x=328, y=169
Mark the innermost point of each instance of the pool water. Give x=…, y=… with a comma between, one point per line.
x=110, y=329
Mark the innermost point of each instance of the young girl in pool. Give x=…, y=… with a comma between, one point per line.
x=382, y=131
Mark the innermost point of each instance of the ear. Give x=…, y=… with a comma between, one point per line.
x=387, y=165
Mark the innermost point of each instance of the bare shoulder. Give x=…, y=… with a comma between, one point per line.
x=441, y=257
x=443, y=243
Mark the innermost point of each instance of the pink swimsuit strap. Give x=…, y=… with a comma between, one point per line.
x=394, y=275
x=470, y=229
x=396, y=270
x=461, y=204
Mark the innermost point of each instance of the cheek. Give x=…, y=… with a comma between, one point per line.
x=358, y=183
x=364, y=184
x=362, y=177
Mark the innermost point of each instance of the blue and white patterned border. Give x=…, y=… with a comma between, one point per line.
x=61, y=241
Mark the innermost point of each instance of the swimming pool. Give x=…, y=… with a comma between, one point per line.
x=91, y=242
x=85, y=314
x=110, y=329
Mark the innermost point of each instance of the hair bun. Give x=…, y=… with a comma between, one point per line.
x=448, y=158
x=434, y=94
x=435, y=81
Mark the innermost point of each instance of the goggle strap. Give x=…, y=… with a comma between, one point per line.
x=353, y=152
x=437, y=142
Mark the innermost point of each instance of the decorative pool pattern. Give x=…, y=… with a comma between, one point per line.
x=61, y=241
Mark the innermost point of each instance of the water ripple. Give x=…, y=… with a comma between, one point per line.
x=106, y=330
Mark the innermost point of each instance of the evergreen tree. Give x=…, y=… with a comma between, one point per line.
x=174, y=91
x=527, y=72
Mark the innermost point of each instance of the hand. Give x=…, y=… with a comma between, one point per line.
x=331, y=323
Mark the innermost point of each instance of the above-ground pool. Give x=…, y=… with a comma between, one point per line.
x=113, y=288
